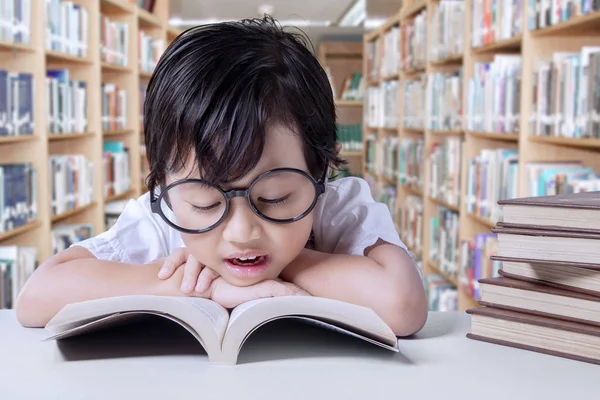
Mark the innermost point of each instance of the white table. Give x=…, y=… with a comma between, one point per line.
x=280, y=362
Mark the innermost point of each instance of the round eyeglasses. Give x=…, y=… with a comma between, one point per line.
x=281, y=195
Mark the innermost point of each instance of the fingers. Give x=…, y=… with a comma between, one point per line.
x=191, y=272
x=207, y=275
x=174, y=261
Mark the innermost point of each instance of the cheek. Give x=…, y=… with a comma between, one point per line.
x=289, y=240
x=202, y=247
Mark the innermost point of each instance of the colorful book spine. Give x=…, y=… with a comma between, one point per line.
x=444, y=101
x=446, y=30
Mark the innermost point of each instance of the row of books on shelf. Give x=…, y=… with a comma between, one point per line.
x=563, y=93
x=114, y=41
x=71, y=185
x=350, y=136
x=66, y=28
x=495, y=20
x=16, y=103
x=15, y=16
x=18, y=185
x=67, y=104
x=544, y=13
x=16, y=266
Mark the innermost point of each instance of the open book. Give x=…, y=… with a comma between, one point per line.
x=220, y=332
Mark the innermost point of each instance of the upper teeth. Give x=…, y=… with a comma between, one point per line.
x=247, y=258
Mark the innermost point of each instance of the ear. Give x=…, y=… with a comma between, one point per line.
x=338, y=147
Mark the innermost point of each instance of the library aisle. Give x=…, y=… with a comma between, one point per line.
x=471, y=102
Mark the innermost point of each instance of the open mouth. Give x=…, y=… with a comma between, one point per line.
x=246, y=267
x=247, y=261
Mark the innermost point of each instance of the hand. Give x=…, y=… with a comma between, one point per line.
x=196, y=277
x=230, y=296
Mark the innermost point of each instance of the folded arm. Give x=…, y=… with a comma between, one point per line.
x=76, y=275
x=384, y=279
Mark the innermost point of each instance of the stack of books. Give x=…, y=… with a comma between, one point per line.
x=547, y=297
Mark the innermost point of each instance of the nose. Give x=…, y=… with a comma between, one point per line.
x=241, y=225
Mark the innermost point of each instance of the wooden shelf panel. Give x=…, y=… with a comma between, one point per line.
x=122, y=196
x=64, y=57
x=450, y=207
x=483, y=221
x=351, y=153
x=508, y=137
x=116, y=7
x=568, y=142
x=108, y=67
x=411, y=190
x=501, y=45
x=412, y=9
x=146, y=75
x=118, y=132
x=70, y=136
x=452, y=60
x=18, y=139
x=12, y=46
x=349, y=103
x=435, y=267
x=446, y=133
x=68, y=214
x=147, y=20
x=20, y=230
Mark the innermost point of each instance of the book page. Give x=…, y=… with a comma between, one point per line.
x=212, y=310
x=360, y=322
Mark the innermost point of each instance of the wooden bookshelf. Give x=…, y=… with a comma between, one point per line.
x=341, y=60
x=34, y=58
x=533, y=46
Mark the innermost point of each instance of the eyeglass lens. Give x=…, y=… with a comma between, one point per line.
x=280, y=195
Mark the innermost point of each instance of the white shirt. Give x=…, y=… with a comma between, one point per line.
x=346, y=220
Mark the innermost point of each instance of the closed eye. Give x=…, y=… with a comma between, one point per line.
x=275, y=201
x=208, y=208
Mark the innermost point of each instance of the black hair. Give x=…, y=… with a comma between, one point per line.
x=218, y=87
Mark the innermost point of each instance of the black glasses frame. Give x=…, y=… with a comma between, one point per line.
x=319, y=186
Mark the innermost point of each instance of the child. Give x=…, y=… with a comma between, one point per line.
x=240, y=129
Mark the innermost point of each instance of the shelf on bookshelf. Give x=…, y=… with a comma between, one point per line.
x=450, y=207
x=389, y=181
x=452, y=60
x=435, y=267
x=446, y=133
x=70, y=136
x=566, y=141
x=116, y=6
x=511, y=44
x=18, y=139
x=116, y=68
x=146, y=75
x=588, y=23
x=392, y=77
x=20, y=230
x=147, y=20
x=507, y=137
x=351, y=153
x=417, y=131
x=122, y=196
x=68, y=214
x=412, y=190
x=119, y=132
x=484, y=221
x=12, y=46
x=61, y=57
x=412, y=73
x=412, y=8
x=349, y=103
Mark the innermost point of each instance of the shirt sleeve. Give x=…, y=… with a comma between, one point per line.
x=348, y=219
x=137, y=237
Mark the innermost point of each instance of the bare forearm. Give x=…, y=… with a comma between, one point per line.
x=385, y=281
x=57, y=283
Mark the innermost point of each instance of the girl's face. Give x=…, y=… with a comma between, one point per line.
x=245, y=249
